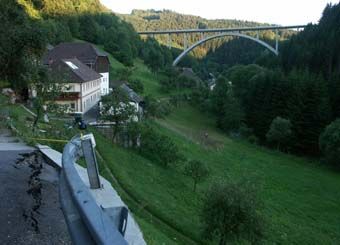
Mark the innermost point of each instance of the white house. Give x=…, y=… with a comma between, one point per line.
x=87, y=54
x=82, y=85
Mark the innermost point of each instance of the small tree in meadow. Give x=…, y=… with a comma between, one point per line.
x=280, y=132
x=230, y=213
x=159, y=148
x=118, y=110
x=197, y=171
x=330, y=143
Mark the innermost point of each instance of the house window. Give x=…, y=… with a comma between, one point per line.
x=73, y=106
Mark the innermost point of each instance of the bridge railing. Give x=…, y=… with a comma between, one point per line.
x=87, y=222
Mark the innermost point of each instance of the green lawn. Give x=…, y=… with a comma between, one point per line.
x=139, y=71
x=148, y=78
x=115, y=64
x=301, y=198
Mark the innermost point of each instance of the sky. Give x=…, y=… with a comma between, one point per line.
x=283, y=12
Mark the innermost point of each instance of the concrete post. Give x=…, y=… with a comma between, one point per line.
x=185, y=41
x=91, y=162
x=169, y=41
x=277, y=40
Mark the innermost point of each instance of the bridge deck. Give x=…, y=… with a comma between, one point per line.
x=258, y=28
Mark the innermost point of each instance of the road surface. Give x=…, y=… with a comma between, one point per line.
x=29, y=207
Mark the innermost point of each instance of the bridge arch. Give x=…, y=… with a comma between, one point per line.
x=185, y=52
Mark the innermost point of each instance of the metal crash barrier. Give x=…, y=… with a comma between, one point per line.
x=87, y=222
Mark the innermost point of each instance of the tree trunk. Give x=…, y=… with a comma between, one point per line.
x=222, y=240
x=115, y=131
x=35, y=123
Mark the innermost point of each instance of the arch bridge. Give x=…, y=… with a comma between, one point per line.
x=242, y=32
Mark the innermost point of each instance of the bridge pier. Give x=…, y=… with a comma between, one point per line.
x=185, y=41
x=169, y=41
x=277, y=40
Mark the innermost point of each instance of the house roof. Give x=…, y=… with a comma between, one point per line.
x=132, y=94
x=118, y=83
x=189, y=73
x=73, y=70
x=85, y=52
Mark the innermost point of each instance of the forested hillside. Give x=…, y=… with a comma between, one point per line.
x=301, y=86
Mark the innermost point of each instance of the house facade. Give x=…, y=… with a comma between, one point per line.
x=87, y=54
x=81, y=88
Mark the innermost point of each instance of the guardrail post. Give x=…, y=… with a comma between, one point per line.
x=91, y=161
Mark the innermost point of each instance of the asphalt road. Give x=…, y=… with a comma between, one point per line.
x=29, y=206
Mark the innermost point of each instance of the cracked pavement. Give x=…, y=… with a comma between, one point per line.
x=30, y=210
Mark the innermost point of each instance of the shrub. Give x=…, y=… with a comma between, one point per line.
x=245, y=131
x=280, y=132
x=156, y=108
x=253, y=139
x=137, y=86
x=158, y=148
x=230, y=212
x=330, y=143
x=197, y=171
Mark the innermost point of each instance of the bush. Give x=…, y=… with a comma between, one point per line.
x=197, y=171
x=245, y=131
x=137, y=86
x=253, y=139
x=330, y=143
x=280, y=132
x=156, y=108
x=159, y=148
x=230, y=212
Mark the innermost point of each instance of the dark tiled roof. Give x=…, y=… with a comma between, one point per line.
x=85, y=52
x=118, y=83
x=189, y=73
x=132, y=94
x=73, y=70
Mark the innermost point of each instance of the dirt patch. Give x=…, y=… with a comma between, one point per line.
x=201, y=137
x=209, y=141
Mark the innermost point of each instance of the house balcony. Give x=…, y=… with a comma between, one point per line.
x=67, y=96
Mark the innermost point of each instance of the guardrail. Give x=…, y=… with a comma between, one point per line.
x=87, y=222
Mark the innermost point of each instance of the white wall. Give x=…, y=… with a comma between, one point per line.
x=104, y=83
x=91, y=94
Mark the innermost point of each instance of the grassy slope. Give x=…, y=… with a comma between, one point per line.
x=301, y=198
x=140, y=72
x=149, y=79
